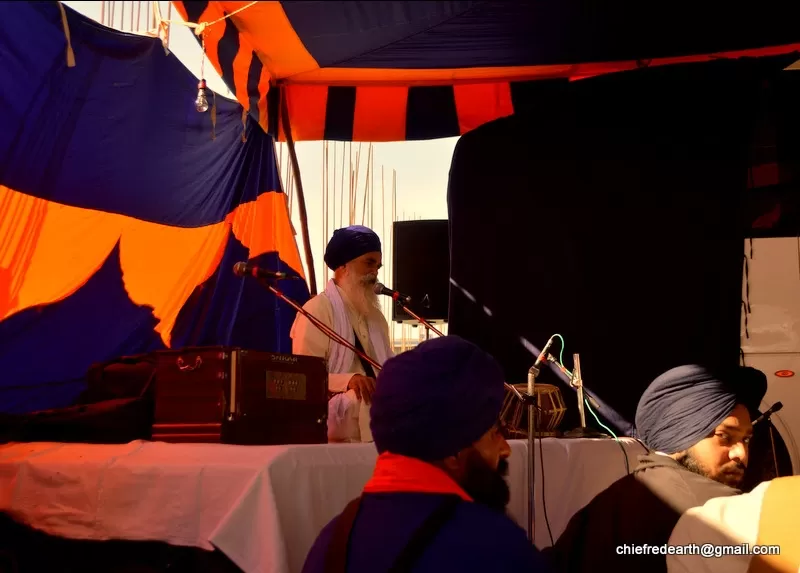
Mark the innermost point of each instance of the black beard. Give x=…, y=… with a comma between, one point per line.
x=691, y=464
x=729, y=477
x=485, y=484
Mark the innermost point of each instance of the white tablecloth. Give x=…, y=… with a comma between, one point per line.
x=262, y=506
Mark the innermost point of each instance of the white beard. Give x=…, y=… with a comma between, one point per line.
x=359, y=292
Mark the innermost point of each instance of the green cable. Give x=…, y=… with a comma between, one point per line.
x=561, y=359
x=606, y=428
x=591, y=411
x=561, y=355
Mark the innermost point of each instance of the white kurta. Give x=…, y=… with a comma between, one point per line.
x=348, y=418
x=767, y=516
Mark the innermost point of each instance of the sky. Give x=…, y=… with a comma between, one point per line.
x=421, y=168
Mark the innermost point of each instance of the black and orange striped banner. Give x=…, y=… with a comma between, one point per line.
x=378, y=92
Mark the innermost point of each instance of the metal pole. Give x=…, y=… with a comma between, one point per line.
x=301, y=199
x=577, y=382
x=532, y=373
x=421, y=320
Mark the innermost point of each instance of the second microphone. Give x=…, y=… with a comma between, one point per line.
x=379, y=288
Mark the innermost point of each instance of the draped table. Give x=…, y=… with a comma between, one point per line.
x=262, y=506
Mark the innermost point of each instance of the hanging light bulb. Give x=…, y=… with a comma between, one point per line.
x=201, y=103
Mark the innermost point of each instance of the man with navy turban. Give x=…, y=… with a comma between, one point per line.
x=701, y=422
x=436, y=498
x=349, y=306
x=696, y=425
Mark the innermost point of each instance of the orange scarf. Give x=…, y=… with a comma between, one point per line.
x=395, y=474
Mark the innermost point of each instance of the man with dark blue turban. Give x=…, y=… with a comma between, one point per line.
x=701, y=422
x=437, y=496
x=349, y=306
x=696, y=425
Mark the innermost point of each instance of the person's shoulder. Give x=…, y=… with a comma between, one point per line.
x=613, y=499
x=703, y=488
x=315, y=559
x=318, y=306
x=482, y=530
x=487, y=515
x=694, y=487
x=318, y=302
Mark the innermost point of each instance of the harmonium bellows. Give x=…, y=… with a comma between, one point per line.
x=237, y=396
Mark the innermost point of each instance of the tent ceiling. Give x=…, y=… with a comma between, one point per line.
x=389, y=71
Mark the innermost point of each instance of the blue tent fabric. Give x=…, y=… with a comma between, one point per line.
x=442, y=35
x=123, y=209
x=385, y=71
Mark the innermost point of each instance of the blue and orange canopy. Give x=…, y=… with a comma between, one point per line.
x=123, y=209
x=394, y=71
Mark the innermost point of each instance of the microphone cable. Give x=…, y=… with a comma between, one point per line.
x=541, y=462
x=594, y=415
x=616, y=439
x=544, y=490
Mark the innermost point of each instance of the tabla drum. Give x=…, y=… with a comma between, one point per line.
x=549, y=414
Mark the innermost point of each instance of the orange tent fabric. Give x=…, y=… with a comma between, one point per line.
x=123, y=209
x=393, y=71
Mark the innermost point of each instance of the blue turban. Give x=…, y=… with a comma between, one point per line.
x=350, y=243
x=684, y=405
x=435, y=400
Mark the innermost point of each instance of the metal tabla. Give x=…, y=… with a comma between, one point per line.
x=549, y=414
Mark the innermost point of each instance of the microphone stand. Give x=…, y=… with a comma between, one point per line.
x=421, y=320
x=531, y=402
x=576, y=381
x=316, y=322
x=767, y=417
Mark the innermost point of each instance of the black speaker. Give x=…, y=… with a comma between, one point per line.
x=421, y=268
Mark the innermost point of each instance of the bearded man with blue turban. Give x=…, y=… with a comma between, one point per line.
x=437, y=497
x=348, y=306
x=696, y=425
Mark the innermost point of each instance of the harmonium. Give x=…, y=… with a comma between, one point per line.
x=236, y=396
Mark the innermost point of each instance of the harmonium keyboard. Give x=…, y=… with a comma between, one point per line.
x=236, y=396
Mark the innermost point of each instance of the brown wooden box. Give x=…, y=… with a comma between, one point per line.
x=236, y=396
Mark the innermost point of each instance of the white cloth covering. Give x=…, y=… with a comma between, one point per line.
x=262, y=506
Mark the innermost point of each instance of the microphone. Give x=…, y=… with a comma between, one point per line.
x=543, y=355
x=381, y=289
x=554, y=360
x=244, y=269
x=766, y=415
x=568, y=375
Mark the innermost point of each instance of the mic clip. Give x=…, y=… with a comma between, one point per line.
x=523, y=397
